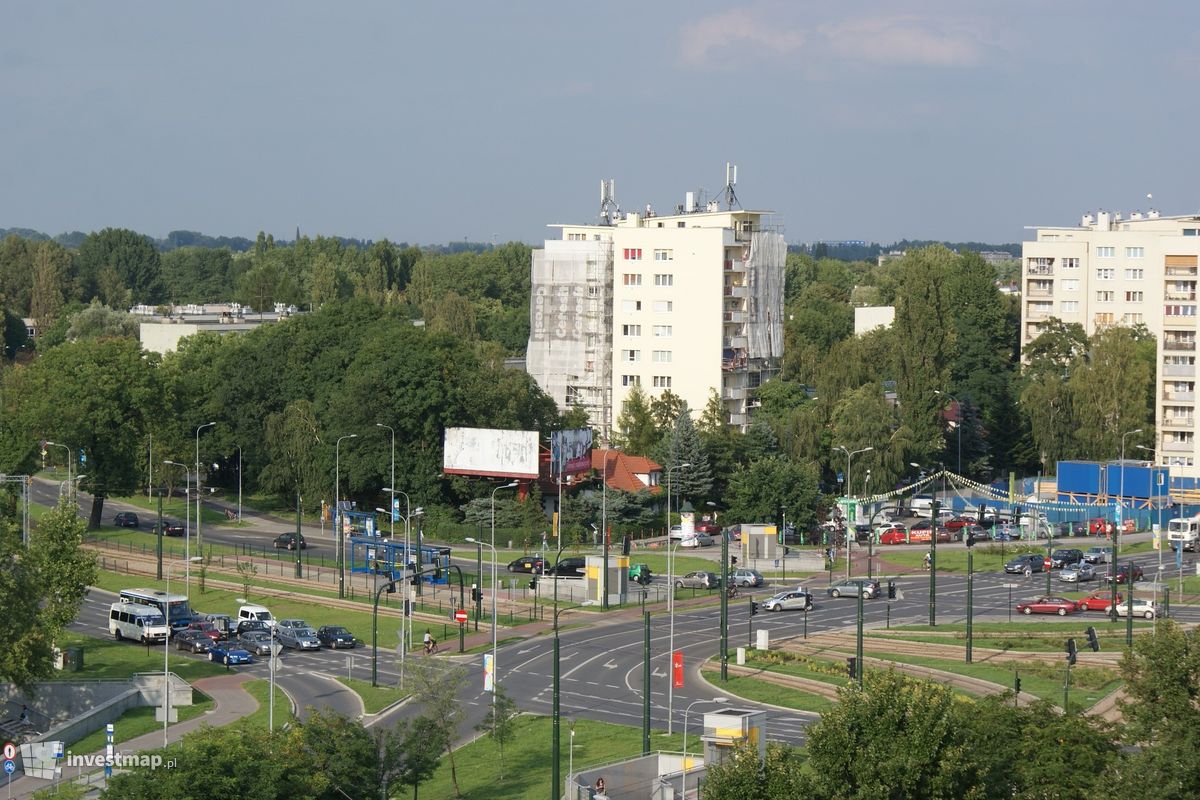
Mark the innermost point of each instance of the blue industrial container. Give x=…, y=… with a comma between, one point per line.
x=1135, y=480
x=1080, y=477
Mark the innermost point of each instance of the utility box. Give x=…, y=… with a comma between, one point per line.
x=725, y=730
x=760, y=542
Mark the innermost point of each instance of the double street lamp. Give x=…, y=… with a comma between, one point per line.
x=199, y=538
x=187, y=532
x=686, y=711
x=671, y=598
x=167, y=648
x=338, y=537
x=1121, y=498
x=958, y=426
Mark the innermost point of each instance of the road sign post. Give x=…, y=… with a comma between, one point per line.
x=460, y=616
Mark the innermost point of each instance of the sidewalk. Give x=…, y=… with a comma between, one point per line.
x=231, y=702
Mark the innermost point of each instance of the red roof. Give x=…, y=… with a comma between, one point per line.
x=622, y=470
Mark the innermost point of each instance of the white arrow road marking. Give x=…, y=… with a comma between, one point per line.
x=611, y=664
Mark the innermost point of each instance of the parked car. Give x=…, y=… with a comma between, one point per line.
x=1124, y=571
x=287, y=541
x=975, y=533
x=256, y=642
x=126, y=519
x=193, y=641
x=1077, y=528
x=698, y=580
x=640, y=573
x=1065, y=557
x=1006, y=532
x=171, y=527
x=1096, y=526
x=228, y=654
x=746, y=577
x=894, y=535
x=298, y=638
x=335, y=637
x=1097, y=601
x=1097, y=555
x=788, y=601
x=207, y=628
x=954, y=523
x=1048, y=605
x=574, y=567
x=699, y=540
x=1026, y=564
x=850, y=588
x=527, y=564
x=248, y=625
x=1077, y=573
x=223, y=622
x=1141, y=608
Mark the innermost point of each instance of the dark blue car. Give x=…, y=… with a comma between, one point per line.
x=227, y=655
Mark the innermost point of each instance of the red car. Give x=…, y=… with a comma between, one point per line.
x=958, y=522
x=1097, y=601
x=1096, y=526
x=208, y=629
x=1048, y=605
x=893, y=536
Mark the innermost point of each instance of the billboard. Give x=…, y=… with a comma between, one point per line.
x=490, y=452
x=570, y=451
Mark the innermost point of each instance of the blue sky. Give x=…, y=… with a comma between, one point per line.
x=432, y=122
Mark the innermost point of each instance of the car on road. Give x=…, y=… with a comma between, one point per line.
x=850, y=588
x=698, y=540
x=640, y=573
x=126, y=519
x=698, y=580
x=193, y=641
x=1076, y=528
x=171, y=527
x=1124, y=571
x=746, y=577
x=223, y=622
x=257, y=642
x=1048, y=605
x=1097, y=555
x=1025, y=564
x=1006, y=532
x=527, y=564
x=248, y=625
x=573, y=567
x=298, y=638
x=1097, y=601
x=1065, y=557
x=1141, y=608
x=335, y=637
x=894, y=535
x=788, y=601
x=1077, y=573
x=229, y=654
x=207, y=628
x=287, y=541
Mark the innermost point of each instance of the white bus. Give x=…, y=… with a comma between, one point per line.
x=138, y=621
x=174, y=608
x=1183, y=532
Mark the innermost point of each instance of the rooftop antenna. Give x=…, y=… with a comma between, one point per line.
x=730, y=181
x=609, y=210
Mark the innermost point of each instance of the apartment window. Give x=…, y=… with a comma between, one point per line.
x=664, y=280
x=1135, y=297
x=662, y=381
x=680, y=224
x=1179, y=311
x=1070, y=285
x=662, y=331
x=1106, y=274
x=1135, y=274
x=593, y=291
x=1103, y=319
x=631, y=355
x=664, y=255
x=1106, y=252
x=1105, y=297
x=631, y=330
x=632, y=279
x=1135, y=252
x=1069, y=306
x=663, y=306
x=1070, y=263
x=576, y=237
x=633, y=254
x=629, y=306
x=1133, y=319
x=631, y=380
x=662, y=356
x=1191, y=231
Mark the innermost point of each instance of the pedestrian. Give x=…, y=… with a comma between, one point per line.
x=600, y=788
x=928, y=560
x=24, y=718
x=427, y=641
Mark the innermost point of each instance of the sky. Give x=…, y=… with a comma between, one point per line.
x=487, y=121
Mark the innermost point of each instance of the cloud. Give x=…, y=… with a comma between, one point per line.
x=901, y=41
x=736, y=27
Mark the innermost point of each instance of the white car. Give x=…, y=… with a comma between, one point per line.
x=1141, y=608
x=698, y=540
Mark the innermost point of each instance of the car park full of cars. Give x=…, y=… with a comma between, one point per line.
x=796, y=600
x=1048, y=605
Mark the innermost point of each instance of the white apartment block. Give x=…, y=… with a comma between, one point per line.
x=1124, y=271
x=689, y=303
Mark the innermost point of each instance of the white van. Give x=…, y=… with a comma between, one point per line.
x=259, y=613
x=144, y=623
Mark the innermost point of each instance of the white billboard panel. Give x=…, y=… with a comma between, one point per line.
x=487, y=451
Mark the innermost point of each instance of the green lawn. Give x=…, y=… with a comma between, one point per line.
x=260, y=690
x=108, y=658
x=751, y=688
x=375, y=698
x=1077, y=623
x=138, y=721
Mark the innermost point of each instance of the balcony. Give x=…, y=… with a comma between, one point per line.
x=1180, y=397
x=1179, y=296
x=1181, y=272
x=1179, y=422
x=735, y=265
x=1178, y=447
x=738, y=393
x=1180, y=345
x=739, y=419
x=736, y=317
x=734, y=343
x=1040, y=269
x=1179, y=370
x=736, y=291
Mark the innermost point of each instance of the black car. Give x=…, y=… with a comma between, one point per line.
x=288, y=541
x=1123, y=571
x=194, y=641
x=1027, y=564
x=527, y=564
x=126, y=519
x=571, y=567
x=1062, y=558
x=248, y=625
x=1077, y=528
x=171, y=527
x=335, y=637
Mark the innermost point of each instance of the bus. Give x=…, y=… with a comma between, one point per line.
x=174, y=608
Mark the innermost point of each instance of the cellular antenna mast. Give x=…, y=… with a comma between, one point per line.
x=730, y=182
x=610, y=212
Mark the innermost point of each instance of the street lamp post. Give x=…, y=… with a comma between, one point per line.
x=846, y=489
x=187, y=533
x=958, y=425
x=685, y=729
x=391, y=513
x=1162, y=534
x=495, y=592
x=404, y=616
x=337, y=513
x=933, y=531
x=167, y=650
x=199, y=537
x=70, y=457
x=239, y=449
x=604, y=524
x=1121, y=500
x=671, y=599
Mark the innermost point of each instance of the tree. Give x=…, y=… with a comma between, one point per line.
x=758, y=490
x=498, y=722
x=423, y=746
x=720, y=442
x=437, y=686
x=292, y=439
x=50, y=265
x=744, y=776
x=636, y=432
x=134, y=261
x=1046, y=401
x=864, y=418
x=694, y=481
x=100, y=321
x=1109, y=393
x=666, y=408
x=43, y=586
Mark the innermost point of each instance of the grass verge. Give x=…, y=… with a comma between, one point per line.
x=108, y=659
x=750, y=688
x=375, y=698
x=139, y=721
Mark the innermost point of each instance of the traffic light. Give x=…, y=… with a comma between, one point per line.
x=391, y=587
x=533, y=582
x=1093, y=639
x=852, y=667
x=982, y=512
x=753, y=608
x=787, y=550
x=891, y=590
x=1071, y=651
x=733, y=561
x=1016, y=683
x=476, y=593
x=1017, y=513
x=970, y=538
x=625, y=545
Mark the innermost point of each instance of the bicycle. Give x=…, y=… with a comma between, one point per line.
x=732, y=591
x=431, y=647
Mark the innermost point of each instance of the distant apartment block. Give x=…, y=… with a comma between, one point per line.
x=688, y=302
x=160, y=333
x=1111, y=270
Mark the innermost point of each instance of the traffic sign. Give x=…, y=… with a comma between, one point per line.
x=460, y=616
x=10, y=766
x=1011, y=585
x=10, y=751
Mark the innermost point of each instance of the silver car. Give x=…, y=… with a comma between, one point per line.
x=1075, y=573
x=787, y=601
x=745, y=577
x=298, y=638
x=698, y=580
x=257, y=643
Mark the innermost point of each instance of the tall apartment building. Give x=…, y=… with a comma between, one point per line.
x=1122, y=271
x=687, y=302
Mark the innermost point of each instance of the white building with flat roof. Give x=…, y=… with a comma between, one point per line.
x=688, y=302
x=1114, y=270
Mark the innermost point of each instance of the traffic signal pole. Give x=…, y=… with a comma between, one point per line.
x=933, y=566
x=646, y=686
x=724, y=606
x=970, y=598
